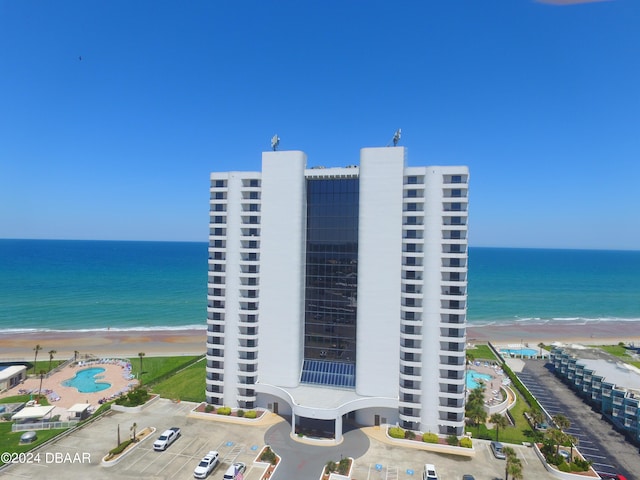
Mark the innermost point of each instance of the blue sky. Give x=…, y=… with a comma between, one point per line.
x=542, y=102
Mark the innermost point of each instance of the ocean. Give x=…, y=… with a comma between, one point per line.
x=118, y=285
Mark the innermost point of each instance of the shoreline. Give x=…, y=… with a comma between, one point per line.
x=128, y=343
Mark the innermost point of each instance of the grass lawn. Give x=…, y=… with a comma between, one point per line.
x=42, y=365
x=10, y=441
x=24, y=398
x=189, y=385
x=481, y=352
x=517, y=434
x=154, y=369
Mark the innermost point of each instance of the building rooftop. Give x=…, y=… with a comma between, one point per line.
x=611, y=368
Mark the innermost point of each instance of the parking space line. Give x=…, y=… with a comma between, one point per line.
x=138, y=457
x=596, y=456
x=604, y=465
x=582, y=447
x=173, y=457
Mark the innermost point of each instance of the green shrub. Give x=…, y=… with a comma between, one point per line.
x=579, y=465
x=224, y=411
x=452, y=440
x=134, y=398
x=250, y=414
x=343, y=466
x=209, y=408
x=396, y=432
x=564, y=467
x=466, y=442
x=269, y=456
x=330, y=467
x=409, y=435
x=240, y=412
x=430, y=437
x=120, y=448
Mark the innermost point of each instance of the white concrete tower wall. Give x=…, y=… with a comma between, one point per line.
x=444, y=301
x=232, y=287
x=431, y=299
x=379, y=271
x=282, y=268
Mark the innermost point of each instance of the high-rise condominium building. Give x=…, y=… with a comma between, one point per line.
x=340, y=294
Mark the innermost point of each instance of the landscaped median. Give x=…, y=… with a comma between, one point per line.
x=268, y=460
x=338, y=470
x=431, y=442
x=124, y=448
x=565, y=475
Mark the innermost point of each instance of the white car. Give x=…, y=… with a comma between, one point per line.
x=429, y=472
x=207, y=464
x=235, y=471
x=166, y=439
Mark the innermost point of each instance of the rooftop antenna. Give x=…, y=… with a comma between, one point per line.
x=275, y=142
x=396, y=137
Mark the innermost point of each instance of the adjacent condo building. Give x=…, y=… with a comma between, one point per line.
x=340, y=294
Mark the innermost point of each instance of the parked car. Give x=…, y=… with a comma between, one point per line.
x=207, y=464
x=235, y=471
x=467, y=476
x=166, y=439
x=496, y=448
x=429, y=472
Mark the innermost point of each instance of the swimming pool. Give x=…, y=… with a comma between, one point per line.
x=85, y=381
x=473, y=379
x=525, y=352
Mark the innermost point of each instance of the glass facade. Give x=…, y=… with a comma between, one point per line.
x=331, y=278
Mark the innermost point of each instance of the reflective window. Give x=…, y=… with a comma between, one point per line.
x=331, y=280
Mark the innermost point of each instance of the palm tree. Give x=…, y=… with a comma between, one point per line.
x=133, y=430
x=36, y=349
x=558, y=437
x=141, y=354
x=75, y=355
x=573, y=442
x=469, y=357
x=510, y=453
x=537, y=417
x=475, y=406
x=541, y=346
x=561, y=422
x=514, y=468
x=477, y=414
x=500, y=421
x=51, y=354
x=42, y=374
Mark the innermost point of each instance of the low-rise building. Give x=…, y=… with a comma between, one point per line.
x=609, y=385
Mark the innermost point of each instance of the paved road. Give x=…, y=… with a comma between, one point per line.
x=305, y=461
x=598, y=441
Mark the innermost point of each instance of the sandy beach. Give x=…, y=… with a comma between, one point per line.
x=122, y=344
x=19, y=346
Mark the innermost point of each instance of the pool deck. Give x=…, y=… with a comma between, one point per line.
x=493, y=392
x=63, y=397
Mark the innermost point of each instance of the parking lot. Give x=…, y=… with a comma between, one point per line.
x=375, y=458
x=597, y=441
